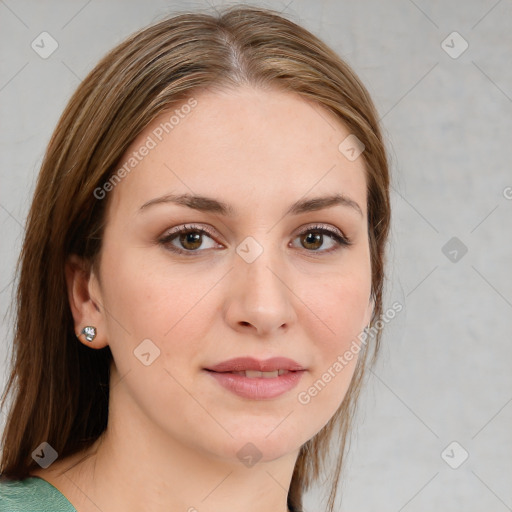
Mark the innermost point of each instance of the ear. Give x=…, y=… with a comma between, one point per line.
x=85, y=301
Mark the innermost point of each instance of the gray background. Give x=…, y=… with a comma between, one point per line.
x=444, y=373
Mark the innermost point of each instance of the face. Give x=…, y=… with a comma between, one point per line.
x=185, y=285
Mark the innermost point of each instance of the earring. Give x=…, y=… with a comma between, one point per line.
x=89, y=332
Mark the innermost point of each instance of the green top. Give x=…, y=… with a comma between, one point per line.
x=33, y=494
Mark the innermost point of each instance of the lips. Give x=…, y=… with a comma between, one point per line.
x=257, y=380
x=250, y=364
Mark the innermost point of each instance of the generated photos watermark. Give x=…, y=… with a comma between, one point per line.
x=304, y=397
x=151, y=142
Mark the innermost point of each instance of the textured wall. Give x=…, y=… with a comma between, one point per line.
x=444, y=374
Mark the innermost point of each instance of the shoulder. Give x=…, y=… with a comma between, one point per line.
x=32, y=494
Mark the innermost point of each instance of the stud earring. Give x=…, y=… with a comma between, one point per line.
x=89, y=332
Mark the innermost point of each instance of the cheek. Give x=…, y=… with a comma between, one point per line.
x=343, y=310
x=340, y=300
x=150, y=297
x=170, y=306
x=341, y=305
x=145, y=301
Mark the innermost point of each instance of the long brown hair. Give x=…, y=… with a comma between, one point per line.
x=60, y=387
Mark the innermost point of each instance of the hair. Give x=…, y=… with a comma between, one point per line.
x=60, y=387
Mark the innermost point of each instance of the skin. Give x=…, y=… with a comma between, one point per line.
x=174, y=432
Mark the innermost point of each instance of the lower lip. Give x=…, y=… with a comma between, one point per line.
x=258, y=388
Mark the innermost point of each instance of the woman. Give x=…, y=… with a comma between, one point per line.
x=203, y=257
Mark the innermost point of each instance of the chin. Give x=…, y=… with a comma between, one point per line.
x=264, y=444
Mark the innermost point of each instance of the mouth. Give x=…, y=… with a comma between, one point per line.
x=257, y=379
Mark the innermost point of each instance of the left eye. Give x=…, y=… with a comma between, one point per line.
x=313, y=239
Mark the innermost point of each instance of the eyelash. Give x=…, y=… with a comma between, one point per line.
x=340, y=239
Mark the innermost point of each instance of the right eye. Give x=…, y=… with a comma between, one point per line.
x=189, y=237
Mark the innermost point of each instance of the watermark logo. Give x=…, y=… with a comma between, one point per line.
x=454, y=249
x=249, y=249
x=45, y=455
x=146, y=352
x=351, y=147
x=454, y=455
x=454, y=45
x=249, y=455
x=44, y=45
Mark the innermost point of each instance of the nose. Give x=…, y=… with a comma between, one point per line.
x=260, y=297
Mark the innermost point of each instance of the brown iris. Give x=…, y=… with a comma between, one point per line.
x=311, y=238
x=191, y=240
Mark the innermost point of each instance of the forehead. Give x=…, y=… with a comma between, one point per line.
x=243, y=145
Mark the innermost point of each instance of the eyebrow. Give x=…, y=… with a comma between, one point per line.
x=208, y=204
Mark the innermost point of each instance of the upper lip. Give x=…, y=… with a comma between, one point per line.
x=240, y=364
